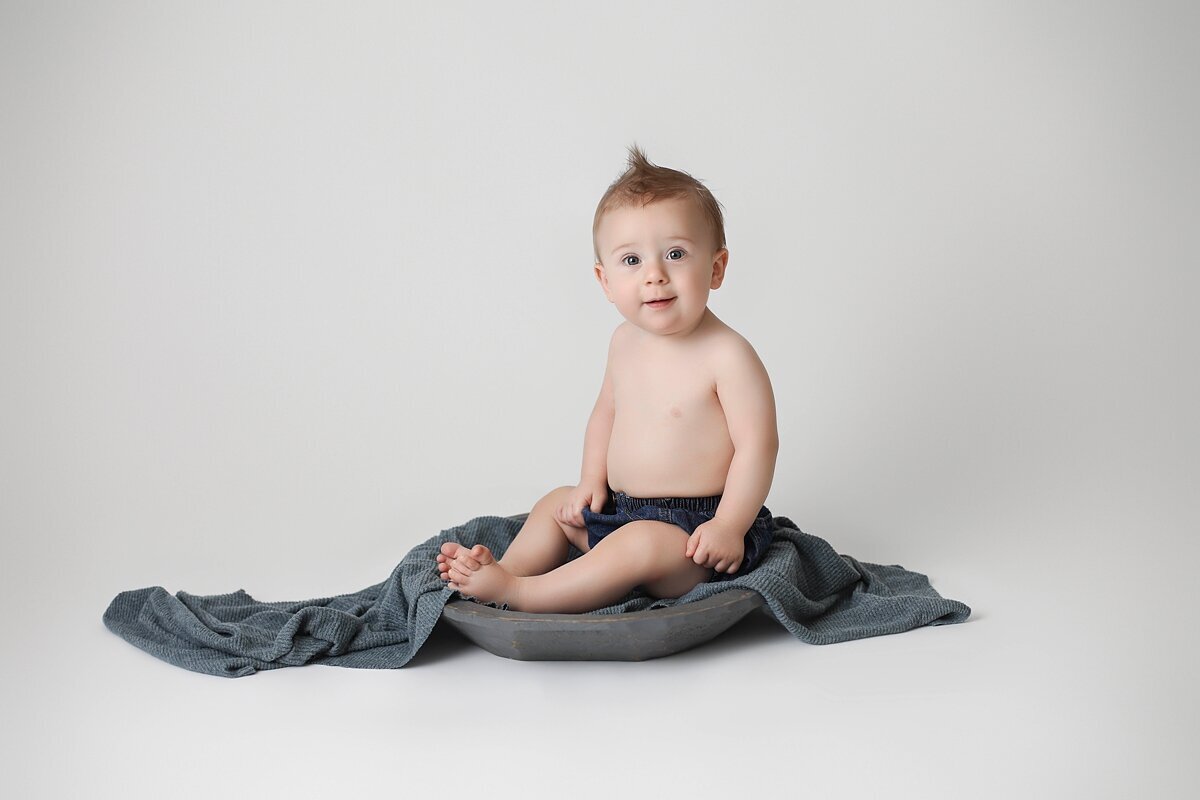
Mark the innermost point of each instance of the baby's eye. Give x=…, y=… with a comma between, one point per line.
x=630, y=261
x=671, y=254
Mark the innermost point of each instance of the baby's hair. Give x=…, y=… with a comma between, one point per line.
x=643, y=183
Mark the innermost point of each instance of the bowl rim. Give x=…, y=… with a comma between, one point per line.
x=465, y=610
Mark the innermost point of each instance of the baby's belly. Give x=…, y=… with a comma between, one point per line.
x=647, y=458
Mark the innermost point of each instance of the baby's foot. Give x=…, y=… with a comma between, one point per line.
x=476, y=573
x=451, y=551
x=445, y=559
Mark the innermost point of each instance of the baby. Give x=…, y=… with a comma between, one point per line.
x=680, y=448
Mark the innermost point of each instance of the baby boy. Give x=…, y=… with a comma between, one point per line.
x=680, y=448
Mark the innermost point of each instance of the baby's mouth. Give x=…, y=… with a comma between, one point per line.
x=666, y=301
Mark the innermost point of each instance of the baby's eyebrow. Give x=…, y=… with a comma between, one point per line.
x=631, y=244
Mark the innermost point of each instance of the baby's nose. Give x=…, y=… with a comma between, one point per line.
x=656, y=274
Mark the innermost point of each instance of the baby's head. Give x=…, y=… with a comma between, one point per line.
x=644, y=183
x=659, y=241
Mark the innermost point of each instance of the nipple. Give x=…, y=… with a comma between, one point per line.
x=675, y=412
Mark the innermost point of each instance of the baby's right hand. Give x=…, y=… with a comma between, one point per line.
x=571, y=512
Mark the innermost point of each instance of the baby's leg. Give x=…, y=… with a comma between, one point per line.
x=643, y=553
x=540, y=545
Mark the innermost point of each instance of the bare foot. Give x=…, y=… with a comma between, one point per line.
x=476, y=573
x=451, y=551
x=445, y=558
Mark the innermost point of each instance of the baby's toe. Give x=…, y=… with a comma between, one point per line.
x=482, y=554
x=450, y=549
x=465, y=562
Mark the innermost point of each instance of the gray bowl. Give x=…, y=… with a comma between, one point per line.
x=633, y=636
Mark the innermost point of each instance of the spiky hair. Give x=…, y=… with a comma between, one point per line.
x=643, y=182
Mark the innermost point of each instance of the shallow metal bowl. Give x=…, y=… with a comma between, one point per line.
x=634, y=636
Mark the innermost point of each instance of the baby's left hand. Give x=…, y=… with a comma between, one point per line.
x=716, y=545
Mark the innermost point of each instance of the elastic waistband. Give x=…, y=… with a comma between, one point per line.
x=704, y=504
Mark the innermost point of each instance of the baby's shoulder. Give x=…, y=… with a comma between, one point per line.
x=732, y=356
x=724, y=343
x=624, y=338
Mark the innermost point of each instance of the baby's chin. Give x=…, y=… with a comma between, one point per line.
x=665, y=327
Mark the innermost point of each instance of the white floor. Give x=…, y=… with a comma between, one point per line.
x=1066, y=682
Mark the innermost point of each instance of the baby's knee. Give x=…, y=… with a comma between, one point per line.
x=558, y=495
x=655, y=546
x=659, y=549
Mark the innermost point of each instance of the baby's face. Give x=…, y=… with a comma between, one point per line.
x=662, y=251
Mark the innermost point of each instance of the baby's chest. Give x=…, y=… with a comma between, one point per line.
x=678, y=396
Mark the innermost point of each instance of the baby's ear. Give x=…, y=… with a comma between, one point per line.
x=720, y=262
x=602, y=279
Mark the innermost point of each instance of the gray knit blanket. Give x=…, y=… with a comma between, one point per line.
x=819, y=596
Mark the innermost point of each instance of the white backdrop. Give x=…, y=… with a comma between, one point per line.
x=288, y=288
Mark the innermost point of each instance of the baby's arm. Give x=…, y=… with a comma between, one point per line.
x=744, y=391
x=592, y=490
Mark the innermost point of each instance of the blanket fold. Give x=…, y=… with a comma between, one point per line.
x=817, y=595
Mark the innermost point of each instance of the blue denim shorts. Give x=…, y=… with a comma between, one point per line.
x=688, y=513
